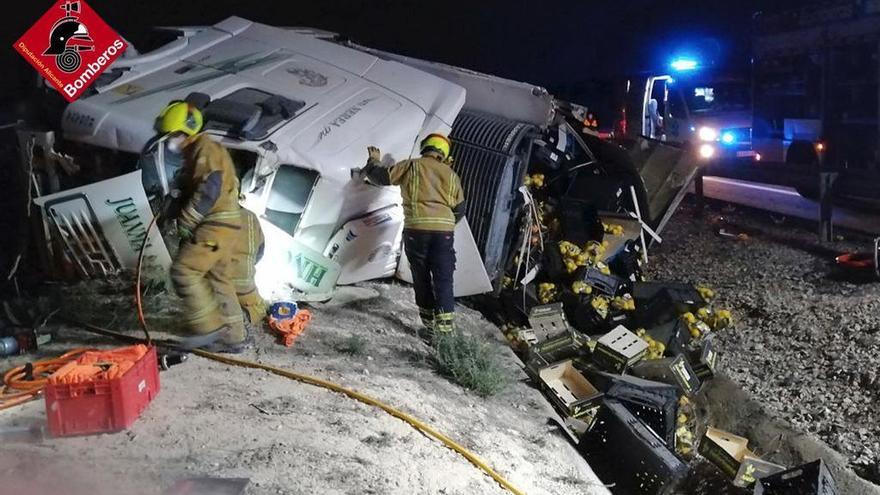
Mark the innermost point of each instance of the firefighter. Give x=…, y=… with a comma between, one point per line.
x=433, y=201
x=209, y=224
x=248, y=251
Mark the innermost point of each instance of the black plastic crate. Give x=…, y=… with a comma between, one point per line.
x=674, y=371
x=672, y=334
x=655, y=405
x=610, y=285
x=582, y=315
x=658, y=303
x=580, y=221
x=628, y=262
x=809, y=479
x=622, y=450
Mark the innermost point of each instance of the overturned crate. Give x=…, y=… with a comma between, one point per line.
x=547, y=321
x=619, y=349
x=622, y=450
x=809, y=479
x=674, y=371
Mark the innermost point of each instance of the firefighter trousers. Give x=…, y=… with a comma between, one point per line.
x=200, y=274
x=248, y=251
x=432, y=260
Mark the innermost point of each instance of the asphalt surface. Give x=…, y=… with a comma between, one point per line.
x=786, y=201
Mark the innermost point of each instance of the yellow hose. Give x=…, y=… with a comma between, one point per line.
x=317, y=382
x=414, y=422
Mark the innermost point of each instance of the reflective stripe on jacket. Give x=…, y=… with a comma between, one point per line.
x=431, y=191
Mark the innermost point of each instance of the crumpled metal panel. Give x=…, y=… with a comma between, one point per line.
x=99, y=228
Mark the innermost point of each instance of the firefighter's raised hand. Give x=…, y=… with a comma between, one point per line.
x=374, y=153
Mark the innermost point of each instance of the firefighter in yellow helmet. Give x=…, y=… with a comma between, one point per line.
x=433, y=201
x=209, y=224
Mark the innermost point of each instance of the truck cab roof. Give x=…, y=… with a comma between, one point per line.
x=342, y=99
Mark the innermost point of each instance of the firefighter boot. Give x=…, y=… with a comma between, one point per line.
x=444, y=322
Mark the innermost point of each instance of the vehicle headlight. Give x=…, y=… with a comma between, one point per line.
x=707, y=134
x=707, y=151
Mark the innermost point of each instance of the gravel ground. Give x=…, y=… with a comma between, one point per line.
x=806, y=342
x=289, y=438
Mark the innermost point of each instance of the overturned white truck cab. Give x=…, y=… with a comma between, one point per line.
x=297, y=108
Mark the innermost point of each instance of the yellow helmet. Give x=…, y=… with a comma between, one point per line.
x=179, y=116
x=436, y=142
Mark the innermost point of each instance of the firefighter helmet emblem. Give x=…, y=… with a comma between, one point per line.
x=67, y=38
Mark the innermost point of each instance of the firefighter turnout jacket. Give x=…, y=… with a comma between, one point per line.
x=433, y=199
x=208, y=183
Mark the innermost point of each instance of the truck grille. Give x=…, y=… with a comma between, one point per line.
x=490, y=158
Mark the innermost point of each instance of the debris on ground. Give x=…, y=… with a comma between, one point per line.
x=619, y=356
x=861, y=265
x=805, y=338
x=288, y=321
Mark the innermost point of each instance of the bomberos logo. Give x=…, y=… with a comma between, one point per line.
x=70, y=46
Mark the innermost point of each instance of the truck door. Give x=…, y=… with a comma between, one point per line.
x=664, y=162
x=654, y=111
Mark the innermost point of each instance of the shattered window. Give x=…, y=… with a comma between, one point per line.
x=289, y=196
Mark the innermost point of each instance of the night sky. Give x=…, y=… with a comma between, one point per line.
x=548, y=43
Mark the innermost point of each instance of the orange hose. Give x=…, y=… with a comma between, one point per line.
x=17, y=390
x=138, y=299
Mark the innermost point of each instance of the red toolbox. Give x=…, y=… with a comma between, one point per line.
x=103, y=406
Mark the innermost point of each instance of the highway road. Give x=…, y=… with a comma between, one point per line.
x=786, y=201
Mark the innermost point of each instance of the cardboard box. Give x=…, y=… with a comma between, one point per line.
x=724, y=449
x=548, y=321
x=752, y=468
x=674, y=371
x=705, y=360
x=730, y=453
x=618, y=349
x=569, y=390
x=527, y=335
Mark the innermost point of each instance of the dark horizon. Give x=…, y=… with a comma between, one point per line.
x=549, y=45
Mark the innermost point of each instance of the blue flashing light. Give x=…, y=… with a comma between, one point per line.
x=684, y=64
x=728, y=138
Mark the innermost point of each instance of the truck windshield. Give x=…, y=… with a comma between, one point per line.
x=717, y=97
x=289, y=196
